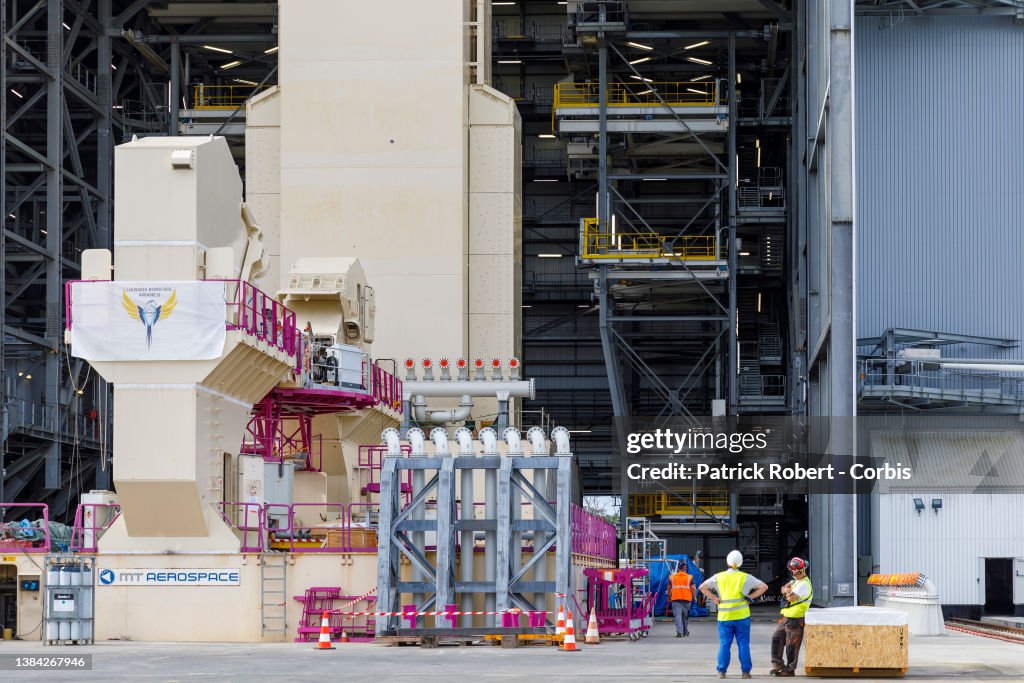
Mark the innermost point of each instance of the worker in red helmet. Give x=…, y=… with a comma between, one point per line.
x=789, y=634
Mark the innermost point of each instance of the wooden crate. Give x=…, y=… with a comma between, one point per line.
x=855, y=648
x=359, y=538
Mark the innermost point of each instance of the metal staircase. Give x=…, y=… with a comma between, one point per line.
x=273, y=598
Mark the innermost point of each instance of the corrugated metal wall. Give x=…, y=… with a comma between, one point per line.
x=940, y=167
x=948, y=546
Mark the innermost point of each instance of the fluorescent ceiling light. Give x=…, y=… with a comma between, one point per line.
x=545, y=180
x=641, y=60
x=744, y=253
x=549, y=256
x=699, y=92
x=527, y=306
x=583, y=306
x=641, y=78
x=65, y=25
x=245, y=82
x=510, y=61
x=12, y=215
x=17, y=94
x=698, y=60
x=546, y=135
x=218, y=49
x=739, y=79
x=646, y=92
x=701, y=78
x=579, y=431
x=703, y=42
x=112, y=66
x=640, y=46
x=230, y=65
x=653, y=179
x=271, y=50
x=497, y=4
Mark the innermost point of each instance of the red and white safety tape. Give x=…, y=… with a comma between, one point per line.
x=433, y=613
x=361, y=597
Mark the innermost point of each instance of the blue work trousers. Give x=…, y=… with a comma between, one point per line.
x=740, y=630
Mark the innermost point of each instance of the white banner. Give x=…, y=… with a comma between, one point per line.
x=170, y=577
x=113, y=321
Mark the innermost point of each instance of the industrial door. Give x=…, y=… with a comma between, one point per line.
x=8, y=598
x=998, y=585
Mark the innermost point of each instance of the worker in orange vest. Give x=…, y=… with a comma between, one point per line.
x=680, y=592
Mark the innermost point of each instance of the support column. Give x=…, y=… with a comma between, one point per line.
x=54, y=236
x=733, y=352
x=842, y=269
x=174, y=93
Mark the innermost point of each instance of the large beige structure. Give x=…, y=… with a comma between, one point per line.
x=384, y=141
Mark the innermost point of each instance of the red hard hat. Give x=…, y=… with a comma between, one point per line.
x=796, y=564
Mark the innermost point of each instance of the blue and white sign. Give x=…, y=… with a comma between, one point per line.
x=170, y=577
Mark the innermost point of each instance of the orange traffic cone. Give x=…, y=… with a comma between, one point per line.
x=593, y=635
x=344, y=636
x=560, y=624
x=325, y=633
x=570, y=635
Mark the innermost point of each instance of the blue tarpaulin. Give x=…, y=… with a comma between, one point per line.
x=660, y=572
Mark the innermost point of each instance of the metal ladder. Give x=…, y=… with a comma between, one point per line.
x=273, y=593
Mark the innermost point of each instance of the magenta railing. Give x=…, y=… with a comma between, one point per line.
x=386, y=388
x=371, y=456
x=250, y=310
x=25, y=539
x=248, y=519
x=293, y=524
x=262, y=316
x=91, y=521
x=592, y=535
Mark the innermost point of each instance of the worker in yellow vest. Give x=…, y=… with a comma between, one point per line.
x=680, y=592
x=789, y=634
x=734, y=588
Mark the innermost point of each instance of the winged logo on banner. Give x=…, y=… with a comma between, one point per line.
x=150, y=313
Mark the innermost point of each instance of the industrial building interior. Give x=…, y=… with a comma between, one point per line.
x=689, y=195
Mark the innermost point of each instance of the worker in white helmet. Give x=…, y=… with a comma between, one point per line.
x=731, y=590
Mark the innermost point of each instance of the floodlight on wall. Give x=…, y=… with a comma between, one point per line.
x=918, y=505
x=936, y=504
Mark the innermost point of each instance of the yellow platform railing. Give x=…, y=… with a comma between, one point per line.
x=598, y=242
x=641, y=93
x=704, y=504
x=222, y=96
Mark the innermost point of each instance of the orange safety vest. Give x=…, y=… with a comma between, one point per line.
x=682, y=586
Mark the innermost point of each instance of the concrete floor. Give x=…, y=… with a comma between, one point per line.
x=660, y=657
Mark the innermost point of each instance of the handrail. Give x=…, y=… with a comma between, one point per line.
x=223, y=96
x=249, y=545
x=88, y=527
x=21, y=537
x=639, y=94
x=597, y=242
x=963, y=384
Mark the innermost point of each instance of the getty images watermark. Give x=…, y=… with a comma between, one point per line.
x=819, y=455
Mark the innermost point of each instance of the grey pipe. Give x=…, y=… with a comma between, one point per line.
x=459, y=414
x=457, y=388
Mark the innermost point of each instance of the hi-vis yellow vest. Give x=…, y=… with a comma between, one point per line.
x=796, y=610
x=731, y=603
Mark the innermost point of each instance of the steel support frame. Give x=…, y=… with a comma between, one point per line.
x=620, y=353
x=54, y=199
x=438, y=582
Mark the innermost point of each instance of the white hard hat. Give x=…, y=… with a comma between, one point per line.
x=735, y=558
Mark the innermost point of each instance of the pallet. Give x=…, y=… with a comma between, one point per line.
x=426, y=642
x=853, y=672
x=525, y=639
